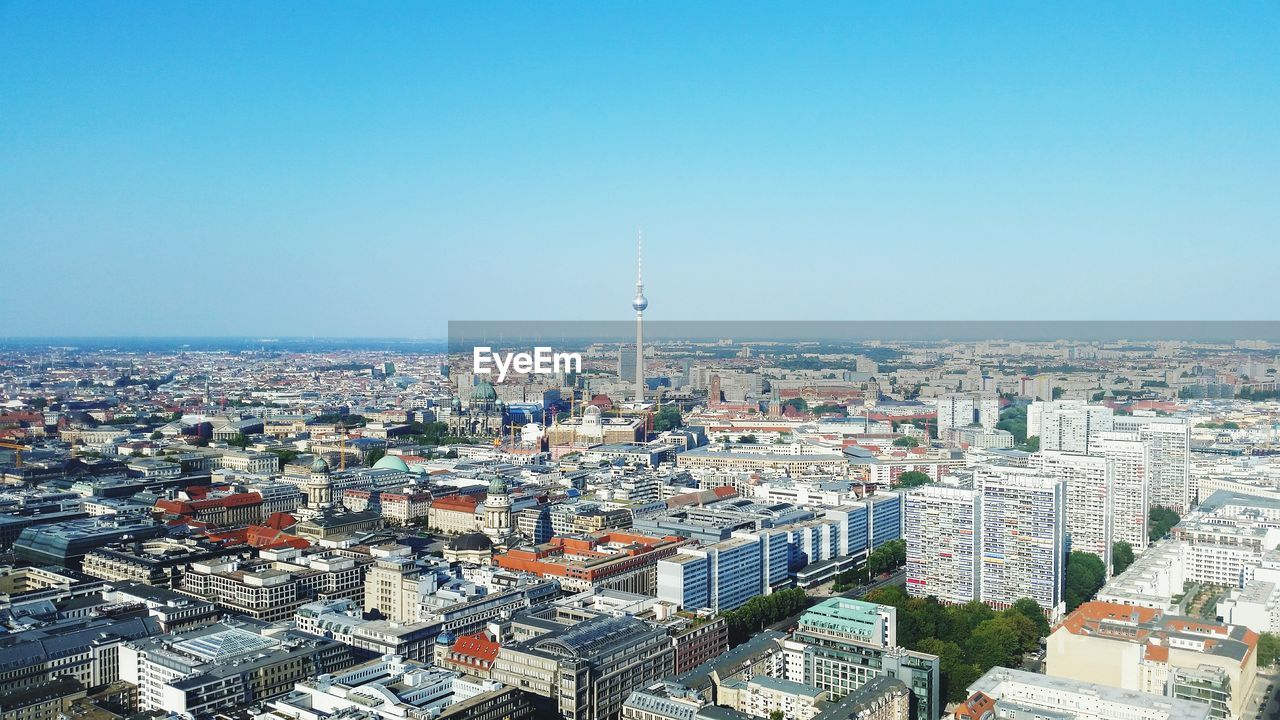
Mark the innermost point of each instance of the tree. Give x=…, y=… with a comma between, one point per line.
x=1086, y=575
x=994, y=642
x=1031, y=609
x=913, y=478
x=1031, y=445
x=666, y=418
x=1121, y=556
x=1161, y=520
x=1058, y=392
x=1014, y=421
x=239, y=441
x=777, y=715
x=1268, y=649
x=157, y=435
x=747, y=440
x=286, y=456
x=797, y=403
x=1026, y=629
x=907, y=442
x=889, y=556
x=374, y=456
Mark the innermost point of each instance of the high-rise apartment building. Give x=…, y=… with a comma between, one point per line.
x=1130, y=504
x=1067, y=425
x=942, y=543
x=1168, y=443
x=1022, y=548
x=964, y=409
x=998, y=542
x=1090, y=497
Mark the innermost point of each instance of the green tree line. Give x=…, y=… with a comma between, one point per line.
x=762, y=611
x=968, y=639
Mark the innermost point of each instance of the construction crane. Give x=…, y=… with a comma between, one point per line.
x=17, y=452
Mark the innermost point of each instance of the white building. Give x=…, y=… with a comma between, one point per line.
x=964, y=409
x=1090, y=499
x=1023, y=538
x=942, y=542
x=1067, y=425
x=1131, y=496
x=387, y=688
x=1003, y=692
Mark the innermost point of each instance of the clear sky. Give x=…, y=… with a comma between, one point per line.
x=377, y=169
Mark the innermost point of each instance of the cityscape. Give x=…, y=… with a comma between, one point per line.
x=298, y=422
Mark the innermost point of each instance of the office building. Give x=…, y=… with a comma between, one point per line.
x=840, y=645
x=721, y=577
x=587, y=671
x=220, y=667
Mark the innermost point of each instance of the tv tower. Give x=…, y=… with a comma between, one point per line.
x=639, y=303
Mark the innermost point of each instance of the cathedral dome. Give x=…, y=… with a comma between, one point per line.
x=484, y=391
x=319, y=466
x=498, y=486
x=471, y=541
x=391, y=462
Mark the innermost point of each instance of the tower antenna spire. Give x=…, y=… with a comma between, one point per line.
x=639, y=303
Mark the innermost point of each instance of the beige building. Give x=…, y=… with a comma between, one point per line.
x=594, y=429
x=761, y=696
x=1144, y=649
x=395, y=583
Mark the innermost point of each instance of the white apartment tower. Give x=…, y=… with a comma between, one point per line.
x=1090, y=498
x=1067, y=425
x=1022, y=541
x=1129, y=506
x=963, y=409
x=942, y=543
x=1168, y=444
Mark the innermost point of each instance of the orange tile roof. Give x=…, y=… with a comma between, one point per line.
x=477, y=647
x=977, y=706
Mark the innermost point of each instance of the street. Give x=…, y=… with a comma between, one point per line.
x=895, y=579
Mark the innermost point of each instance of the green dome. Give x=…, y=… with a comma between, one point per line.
x=391, y=462
x=498, y=486
x=484, y=391
x=319, y=466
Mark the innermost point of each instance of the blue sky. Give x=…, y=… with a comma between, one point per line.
x=378, y=169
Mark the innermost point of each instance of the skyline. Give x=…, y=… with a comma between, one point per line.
x=219, y=171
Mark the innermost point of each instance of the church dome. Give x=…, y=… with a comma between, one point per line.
x=473, y=541
x=391, y=462
x=319, y=466
x=592, y=410
x=498, y=486
x=484, y=391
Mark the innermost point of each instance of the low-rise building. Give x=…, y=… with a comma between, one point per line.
x=1005, y=694
x=1148, y=650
